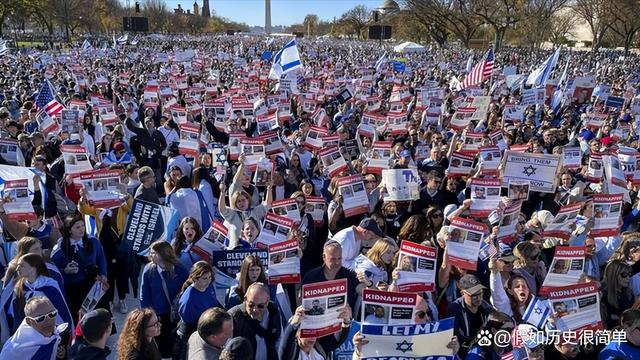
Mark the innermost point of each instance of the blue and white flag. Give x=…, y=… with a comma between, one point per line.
x=86, y=45
x=420, y=341
x=558, y=95
x=285, y=60
x=147, y=222
x=4, y=49
x=28, y=343
x=381, y=61
x=540, y=75
x=537, y=312
x=122, y=40
x=470, y=63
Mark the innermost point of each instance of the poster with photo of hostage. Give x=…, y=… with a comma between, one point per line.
x=595, y=169
x=216, y=238
x=472, y=141
x=606, y=214
x=461, y=118
x=571, y=158
x=333, y=161
x=379, y=157
x=107, y=115
x=234, y=145
x=565, y=269
x=104, y=189
x=560, y=226
x=485, y=194
x=316, y=206
x=576, y=308
x=20, y=207
x=189, y=139
x=272, y=143
x=417, y=267
x=354, y=196
x=284, y=263
x=388, y=307
x=464, y=240
x=518, y=189
x=267, y=122
x=287, y=208
x=461, y=164
x=507, y=230
x=75, y=159
x=275, y=229
x=253, y=150
x=70, y=121
x=313, y=140
x=322, y=302
x=490, y=158
x=263, y=172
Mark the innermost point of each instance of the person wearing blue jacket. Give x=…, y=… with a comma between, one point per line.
x=81, y=261
x=119, y=155
x=198, y=294
x=162, y=280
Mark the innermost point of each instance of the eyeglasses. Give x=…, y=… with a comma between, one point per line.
x=41, y=318
x=259, y=306
x=157, y=323
x=625, y=274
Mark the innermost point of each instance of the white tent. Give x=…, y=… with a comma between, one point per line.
x=408, y=47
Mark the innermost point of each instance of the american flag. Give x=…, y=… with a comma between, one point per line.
x=481, y=71
x=518, y=353
x=47, y=101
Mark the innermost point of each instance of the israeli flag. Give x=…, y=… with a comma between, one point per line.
x=540, y=75
x=86, y=46
x=470, y=63
x=537, y=312
x=381, y=61
x=558, y=95
x=286, y=60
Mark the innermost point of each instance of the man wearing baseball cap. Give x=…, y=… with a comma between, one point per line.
x=470, y=311
x=354, y=238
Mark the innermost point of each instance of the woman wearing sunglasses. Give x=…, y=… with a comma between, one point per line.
x=616, y=294
x=480, y=349
x=137, y=340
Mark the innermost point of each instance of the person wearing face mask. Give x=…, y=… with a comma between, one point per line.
x=197, y=295
x=37, y=334
x=422, y=315
x=294, y=347
x=258, y=320
x=215, y=328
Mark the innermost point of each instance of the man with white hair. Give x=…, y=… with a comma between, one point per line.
x=37, y=336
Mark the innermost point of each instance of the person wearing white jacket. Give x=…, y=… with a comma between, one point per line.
x=374, y=265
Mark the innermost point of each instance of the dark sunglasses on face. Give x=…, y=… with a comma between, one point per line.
x=259, y=306
x=41, y=318
x=625, y=274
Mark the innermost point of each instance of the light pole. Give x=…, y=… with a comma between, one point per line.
x=387, y=7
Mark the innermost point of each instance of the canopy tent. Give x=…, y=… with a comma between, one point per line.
x=408, y=47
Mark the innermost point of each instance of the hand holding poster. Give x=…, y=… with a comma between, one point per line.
x=75, y=158
x=333, y=161
x=216, y=238
x=606, y=214
x=147, y=222
x=322, y=302
x=464, y=240
x=253, y=150
x=422, y=341
x=490, y=158
x=388, y=307
x=401, y=184
x=508, y=230
x=20, y=207
x=287, y=208
x=93, y=296
x=576, y=307
x=354, y=196
x=379, y=156
x=560, y=226
x=539, y=169
x=284, y=263
x=461, y=164
x=485, y=194
x=275, y=229
x=264, y=172
x=417, y=267
x=103, y=187
x=565, y=269
x=316, y=206
x=594, y=170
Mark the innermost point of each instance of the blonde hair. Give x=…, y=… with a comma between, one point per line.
x=236, y=195
x=380, y=247
x=523, y=251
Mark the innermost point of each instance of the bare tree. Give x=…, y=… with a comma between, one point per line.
x=158, y=14
x=597, y=14
x=625, y=22
x=310, y=22
x=442, y=17
x=561, y=26
x=356, y=18
x=501, y=15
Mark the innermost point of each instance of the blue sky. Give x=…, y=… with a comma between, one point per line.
x=283, y=12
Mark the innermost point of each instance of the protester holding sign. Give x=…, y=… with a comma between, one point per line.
x=240, y=209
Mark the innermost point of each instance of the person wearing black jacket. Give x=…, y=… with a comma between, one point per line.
x=96, y=328
x=292, y=344
x=148, y=145
x=257, y=319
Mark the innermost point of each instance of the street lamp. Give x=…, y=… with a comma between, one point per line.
x=387, y=7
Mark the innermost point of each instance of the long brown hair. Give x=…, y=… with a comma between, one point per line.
x=198, y=270
x=166, y=253
x=38, y=263
x=244, y=282
x=69, y=221
x=415, y=229
x=23, y=245
x=132, y=341
x=180, y=240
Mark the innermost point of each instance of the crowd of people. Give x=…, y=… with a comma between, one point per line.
x=51, y=261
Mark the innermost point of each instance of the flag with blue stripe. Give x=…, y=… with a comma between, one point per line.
x=558, y=94
x=90, y=226
x=381, y=61
x=537, y=312
x=540, y=75
x=615, y=102
x=285, y=60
